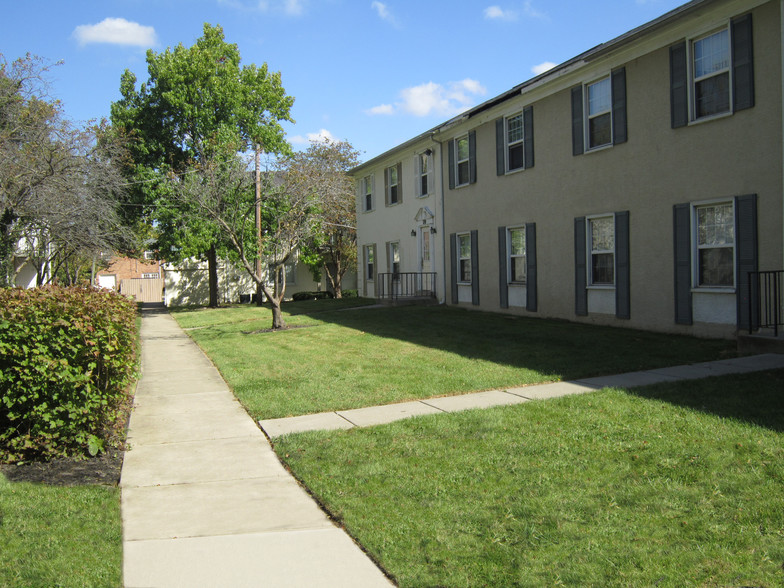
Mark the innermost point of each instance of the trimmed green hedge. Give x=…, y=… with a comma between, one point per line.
x=67, y=360
x=311, y=295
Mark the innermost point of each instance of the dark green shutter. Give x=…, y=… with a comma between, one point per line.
x=472, y=157
x=451, y=155
x=399, y=183
x=500, y=147
x=622, y=266
x=681, y=221
x=528, y=135
x=475, y=268
x=745, y=253
x=618, y=82
x=578, y=143
x=503, y=282
x=531, y=303
x=742, y=63
x=453, y=260
x=386, y=186
x=679, y=86
x=580, y=269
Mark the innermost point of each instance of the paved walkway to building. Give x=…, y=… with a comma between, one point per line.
x=205, y=501
x=376, y=415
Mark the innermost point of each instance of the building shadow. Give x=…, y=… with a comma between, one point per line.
x=756, y=398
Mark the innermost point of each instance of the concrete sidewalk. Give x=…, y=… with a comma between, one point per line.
x=376, y=415
x=205, y=501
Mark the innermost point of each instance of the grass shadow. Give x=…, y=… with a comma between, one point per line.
x=756, y=398
x=549, y=346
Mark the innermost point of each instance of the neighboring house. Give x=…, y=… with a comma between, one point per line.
x=635, y=185
x=187, y=283
x=143, y=279
x=26, y=260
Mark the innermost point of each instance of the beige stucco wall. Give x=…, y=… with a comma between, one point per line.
x=656, y=168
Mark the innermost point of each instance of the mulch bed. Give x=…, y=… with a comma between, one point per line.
x=101, y=470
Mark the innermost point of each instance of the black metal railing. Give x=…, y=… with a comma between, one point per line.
x=406, y=285
x=766, y=301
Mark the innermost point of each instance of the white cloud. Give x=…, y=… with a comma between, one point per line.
x=532, y=12
x=434, y=99
x=498, y=13
x=543, y=67
x=321, y=137
x=383, y=12
x=116, y=31
x=287, y=7
x=293, y=7
x=382, y=109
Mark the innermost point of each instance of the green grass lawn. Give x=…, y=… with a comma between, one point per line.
x=339, y=359
x=670, y=485
x=59, y=536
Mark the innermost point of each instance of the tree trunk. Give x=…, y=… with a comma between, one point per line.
x=259, y=295
x=279, y=290
x=277, y=316
x=212, y=261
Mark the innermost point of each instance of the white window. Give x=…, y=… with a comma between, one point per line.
x=392, y=175
x=367, y=193
x=150, y=276
x=423, y=169
x=464, y=257
x=291, y=272
x=462, y=161
x=715, y=244
x=601, y=250
x=515, y=153
x=394, y=257
x=517, y=261
x=370, y=262
x=598, y=106
x=149, y=255
x=710, y=70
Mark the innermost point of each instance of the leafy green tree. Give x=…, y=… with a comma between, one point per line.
x=60, y=188
x=320, y=173
x=222, y=191
x=199, y=103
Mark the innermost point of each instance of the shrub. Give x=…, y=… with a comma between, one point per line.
x=350, y=293
x=67, y=359
x=311, y=295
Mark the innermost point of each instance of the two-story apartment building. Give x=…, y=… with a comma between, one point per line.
x=636, y=184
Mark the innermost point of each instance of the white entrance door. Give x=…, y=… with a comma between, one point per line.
x=425, y=260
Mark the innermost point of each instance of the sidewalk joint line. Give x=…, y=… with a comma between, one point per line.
x=433, y=406
x=345, y=418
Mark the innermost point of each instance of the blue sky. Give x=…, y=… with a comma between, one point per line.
x=370, y=72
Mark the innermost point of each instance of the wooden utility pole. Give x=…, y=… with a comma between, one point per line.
x=258, y=222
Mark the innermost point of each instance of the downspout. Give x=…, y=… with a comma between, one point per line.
x=443, y=207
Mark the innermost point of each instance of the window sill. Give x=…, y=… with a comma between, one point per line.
x=421, y=196
x=393, y=204
x=598, y=148
x=717, y=290
x=712, y=117
x=600, y=287
x=517, y=283
x=511, y=172
x=463, y=283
